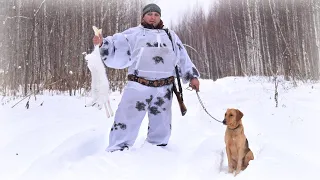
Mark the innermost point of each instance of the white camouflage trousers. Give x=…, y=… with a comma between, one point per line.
x=137, y=100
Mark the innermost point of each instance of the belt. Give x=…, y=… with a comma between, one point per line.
x=151, y=83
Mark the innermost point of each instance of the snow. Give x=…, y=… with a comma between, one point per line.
x=62, y=139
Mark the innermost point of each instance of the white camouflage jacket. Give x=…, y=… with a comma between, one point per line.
x=148, y=53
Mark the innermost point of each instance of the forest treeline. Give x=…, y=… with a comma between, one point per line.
x=42, y=42
x=255, y=37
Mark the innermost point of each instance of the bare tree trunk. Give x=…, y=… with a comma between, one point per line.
x=316, y=25
x=18, y=56
x=277, y=54
x=235, y=62
x=256, y=33
x=249, y=35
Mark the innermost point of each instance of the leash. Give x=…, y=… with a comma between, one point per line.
x=178, y=78
x=206, y=109
x=197, y=92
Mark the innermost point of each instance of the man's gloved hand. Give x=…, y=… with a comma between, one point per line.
x=194, y=84
x=97, y=40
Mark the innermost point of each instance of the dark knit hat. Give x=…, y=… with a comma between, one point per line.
x=151, y=8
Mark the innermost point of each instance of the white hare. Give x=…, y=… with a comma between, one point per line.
x=99, y=80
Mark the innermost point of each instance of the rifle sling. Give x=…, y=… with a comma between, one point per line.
x=176, y=67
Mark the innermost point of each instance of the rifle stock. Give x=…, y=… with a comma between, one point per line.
x=183, y=108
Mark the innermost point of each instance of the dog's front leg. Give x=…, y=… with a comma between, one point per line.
x=239, y=161
x=230, y=164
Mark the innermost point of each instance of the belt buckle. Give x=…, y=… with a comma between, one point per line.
x=156, y=83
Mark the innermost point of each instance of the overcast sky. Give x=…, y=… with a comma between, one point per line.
x=172, y=10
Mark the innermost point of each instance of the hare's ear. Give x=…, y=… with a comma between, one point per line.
x=100, y=31
x=96, y=30
x=239, y=115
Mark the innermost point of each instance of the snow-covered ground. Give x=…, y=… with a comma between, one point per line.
x=64, y=140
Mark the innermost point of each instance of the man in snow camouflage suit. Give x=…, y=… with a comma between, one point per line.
x=151, y=58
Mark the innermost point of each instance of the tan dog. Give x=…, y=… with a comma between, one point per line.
x=237, y=146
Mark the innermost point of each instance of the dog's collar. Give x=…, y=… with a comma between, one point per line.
x=235, y=127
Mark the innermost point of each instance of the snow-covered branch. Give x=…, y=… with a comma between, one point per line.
x=23, y=17
x=39, y=8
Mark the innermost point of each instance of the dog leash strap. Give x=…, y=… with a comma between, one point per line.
x=206, y=109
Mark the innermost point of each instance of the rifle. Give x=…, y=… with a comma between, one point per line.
x=178, y=94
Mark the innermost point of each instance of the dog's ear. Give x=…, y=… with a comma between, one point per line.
x=239, y=115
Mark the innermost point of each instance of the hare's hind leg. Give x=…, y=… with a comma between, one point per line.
x=110, y=108
x=107, y=110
